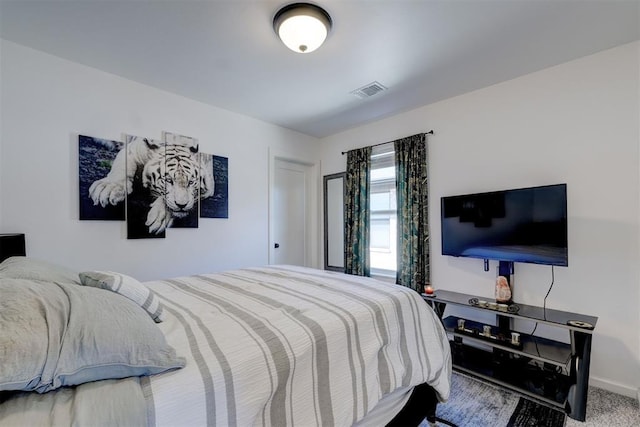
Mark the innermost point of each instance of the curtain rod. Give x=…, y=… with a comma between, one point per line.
x=388, y=142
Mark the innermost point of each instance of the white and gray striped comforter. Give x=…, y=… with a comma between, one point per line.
x=280, y=345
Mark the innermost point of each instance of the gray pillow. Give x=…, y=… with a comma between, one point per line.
x=125, y=286
x=55, y=335
x=19, y=267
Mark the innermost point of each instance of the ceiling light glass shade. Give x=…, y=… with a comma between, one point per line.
x=302, y=27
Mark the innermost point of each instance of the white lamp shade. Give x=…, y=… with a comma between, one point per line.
x=302, y=27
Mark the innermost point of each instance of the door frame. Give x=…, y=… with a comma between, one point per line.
x=312, y=191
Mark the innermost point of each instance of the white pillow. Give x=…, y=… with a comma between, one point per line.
x=125, y=286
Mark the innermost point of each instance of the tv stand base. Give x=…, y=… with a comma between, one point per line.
x=553, y=372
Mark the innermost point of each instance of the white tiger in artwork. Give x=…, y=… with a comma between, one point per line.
x=171, y=171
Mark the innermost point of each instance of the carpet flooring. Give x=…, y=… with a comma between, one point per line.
x=607, y=409
x=474, y=403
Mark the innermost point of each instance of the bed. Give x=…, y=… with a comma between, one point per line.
x=272, y=346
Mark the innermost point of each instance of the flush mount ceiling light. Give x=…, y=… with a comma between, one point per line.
x=302, y=27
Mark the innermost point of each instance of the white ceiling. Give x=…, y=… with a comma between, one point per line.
x=225, y=52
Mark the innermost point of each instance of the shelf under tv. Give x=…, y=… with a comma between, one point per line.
x=538, y=348
x=513, y=373
x=554, y=372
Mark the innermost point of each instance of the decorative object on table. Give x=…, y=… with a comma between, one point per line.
x=215, y=203
x=487, y=333
x=12, y=245
x=101, y=194
x=503, y=291
x=428, y=290
x=515, y=338
x=511, y=308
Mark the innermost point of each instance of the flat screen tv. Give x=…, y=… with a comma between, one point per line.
x=519, y=225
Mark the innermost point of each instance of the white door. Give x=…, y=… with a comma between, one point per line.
x=290, y=187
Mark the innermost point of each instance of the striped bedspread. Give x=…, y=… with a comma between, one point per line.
x=285, y=345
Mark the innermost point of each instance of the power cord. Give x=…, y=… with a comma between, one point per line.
x=544, y=308
x=544, y=303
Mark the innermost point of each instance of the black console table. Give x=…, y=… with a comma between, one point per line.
x=551, y=371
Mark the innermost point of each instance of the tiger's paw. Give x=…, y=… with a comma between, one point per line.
x=159, y=217
x=104, y=192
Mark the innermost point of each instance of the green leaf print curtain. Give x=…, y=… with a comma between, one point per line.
x=413, y=218
x=357, y=216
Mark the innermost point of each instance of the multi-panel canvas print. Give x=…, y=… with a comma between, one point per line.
x=163, y=183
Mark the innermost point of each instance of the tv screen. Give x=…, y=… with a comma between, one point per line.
x=520, y=225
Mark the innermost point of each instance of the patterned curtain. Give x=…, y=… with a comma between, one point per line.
x=413, y=218
x=356, y=233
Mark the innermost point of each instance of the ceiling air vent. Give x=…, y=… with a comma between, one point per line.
x=368, y=90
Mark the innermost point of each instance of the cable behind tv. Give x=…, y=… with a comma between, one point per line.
x=544, y=307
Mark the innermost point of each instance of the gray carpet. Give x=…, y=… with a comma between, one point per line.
x=605, y=408
x=473, y=403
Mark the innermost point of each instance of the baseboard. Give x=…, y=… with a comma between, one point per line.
x=614, y=387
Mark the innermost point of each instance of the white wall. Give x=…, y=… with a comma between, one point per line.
x=47, y=102
x=577, y=123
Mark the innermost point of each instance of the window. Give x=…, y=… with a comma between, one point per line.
x=383, y=226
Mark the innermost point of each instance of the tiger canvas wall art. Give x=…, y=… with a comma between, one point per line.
x=161, y=183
